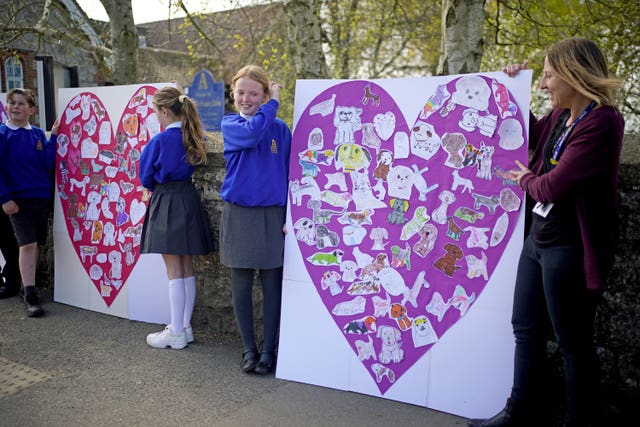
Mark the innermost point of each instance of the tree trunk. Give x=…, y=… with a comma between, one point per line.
x=305, y=36
x=124, y=41
x=462, y=45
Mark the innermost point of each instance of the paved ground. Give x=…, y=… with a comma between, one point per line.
x=75, y=367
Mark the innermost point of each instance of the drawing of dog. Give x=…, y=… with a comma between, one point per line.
x=305, y=231
x=348, y=269
x=352, y=157
x=349, y=308
x=477, y=267
x=390, y=340
x=347, y=121
x=326, y=238
x=382, y=371
x=428, y=235
x=422, y=331
x=363, y=326
x=307, y=186
x=467, y=184
x=439, y=214
x=489, y=201
x=411, y=294
x=330, y=280
x=399, y=314
x=335, y=179
x=452, y=143
x=381, y=307
x=420, y=183
x=401, y=257
x=398, y=209
x=484, y=162
x=365, y=349
x=326, y=258
x=370, y=96
x=447, y=263
x=321, y=216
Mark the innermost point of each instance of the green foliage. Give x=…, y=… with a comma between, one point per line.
x=382, y=38
x=523, y=29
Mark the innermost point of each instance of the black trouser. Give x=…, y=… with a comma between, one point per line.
x=550, y=281
x=10, y=251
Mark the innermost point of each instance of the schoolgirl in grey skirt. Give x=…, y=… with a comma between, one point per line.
x=175, y=224
x=257, y=147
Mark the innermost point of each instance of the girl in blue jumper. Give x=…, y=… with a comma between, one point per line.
x=27, y=162
x=175, y=224
x=256, y=150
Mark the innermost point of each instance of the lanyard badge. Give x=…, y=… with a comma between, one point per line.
x=559, y=145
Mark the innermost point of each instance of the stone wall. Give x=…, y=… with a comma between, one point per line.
x=618, y=322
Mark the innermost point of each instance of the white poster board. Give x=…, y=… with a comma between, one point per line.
x=466, y=368
x=98, y=266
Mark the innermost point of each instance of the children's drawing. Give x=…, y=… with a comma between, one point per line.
x=96, y=173
x=422, y=219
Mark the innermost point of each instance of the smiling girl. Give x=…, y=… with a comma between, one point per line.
x=256, y=150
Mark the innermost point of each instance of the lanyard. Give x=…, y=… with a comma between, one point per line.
x=557, y=147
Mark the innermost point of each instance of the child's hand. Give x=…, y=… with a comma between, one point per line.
x=274, y=90
x=55, y=127
x=10, y=207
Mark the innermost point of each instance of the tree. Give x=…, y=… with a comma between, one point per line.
x=54, y=28
x=304, y=27
x=124, y=41
x=462, y=30
x=523, y=29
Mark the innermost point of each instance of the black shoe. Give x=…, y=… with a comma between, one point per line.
x=7, y=291
x=508, y=417
x=266, y=364
x=249, y=360
x=33, y=304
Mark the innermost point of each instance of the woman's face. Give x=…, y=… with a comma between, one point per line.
x=561, y=94
x=248, y=95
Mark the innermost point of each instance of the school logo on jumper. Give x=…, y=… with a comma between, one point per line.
x=102, y=200
x=401, y=226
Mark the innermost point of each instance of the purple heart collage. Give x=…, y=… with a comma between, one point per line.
x=401, y=226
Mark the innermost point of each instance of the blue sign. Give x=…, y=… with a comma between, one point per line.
x=209, y=98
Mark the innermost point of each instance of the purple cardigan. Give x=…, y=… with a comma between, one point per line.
x=588, y=172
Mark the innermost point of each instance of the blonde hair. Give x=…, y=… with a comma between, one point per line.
x=185, y=109
x=27, y=93
x=255, y=73
x=580, y=62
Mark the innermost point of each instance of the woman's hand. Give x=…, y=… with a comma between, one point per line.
x=517, y=175
x=512, y=70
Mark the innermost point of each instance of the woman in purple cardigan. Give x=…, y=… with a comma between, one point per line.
x=572, y=180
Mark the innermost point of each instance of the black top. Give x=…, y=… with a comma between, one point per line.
x=560, y=226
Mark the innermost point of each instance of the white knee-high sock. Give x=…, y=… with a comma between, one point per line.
x=190, y=299
x=176, y=302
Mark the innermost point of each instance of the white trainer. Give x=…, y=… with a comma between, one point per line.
x=166, y=338
x=189, y=333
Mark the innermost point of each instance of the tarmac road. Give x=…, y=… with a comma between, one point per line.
x=91, y=369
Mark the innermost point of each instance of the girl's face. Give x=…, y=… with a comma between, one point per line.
x=248, y=95
x=19, y=110
x=561, y=94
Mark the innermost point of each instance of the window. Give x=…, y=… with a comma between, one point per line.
x=13, y=73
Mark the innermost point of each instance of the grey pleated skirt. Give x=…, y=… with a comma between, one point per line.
x=176, y=222
x=252, y=237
